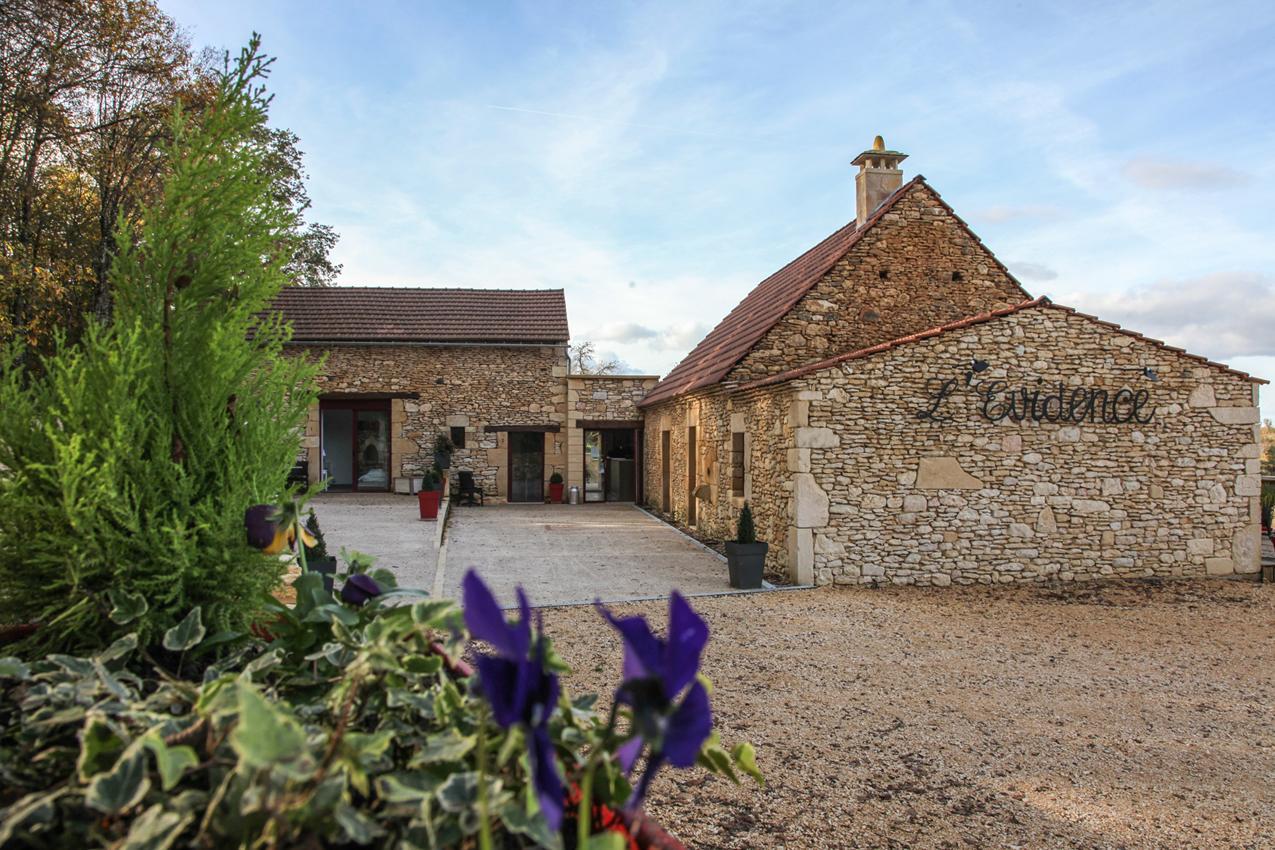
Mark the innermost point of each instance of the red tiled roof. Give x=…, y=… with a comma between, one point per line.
x=417, y=314
x=770, y=301
x=979, y=319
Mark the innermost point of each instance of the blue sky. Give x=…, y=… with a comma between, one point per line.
x=658, y=159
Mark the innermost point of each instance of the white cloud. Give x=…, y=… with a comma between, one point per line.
x=1160, y=174
x=1222, y=316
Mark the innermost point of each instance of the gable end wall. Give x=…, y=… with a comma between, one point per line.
x=919, y=243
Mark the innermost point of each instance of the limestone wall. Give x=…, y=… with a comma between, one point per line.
x=763, y=417
x=900, y=278
x=611, y=398
x=893, y=497
x=466, y=386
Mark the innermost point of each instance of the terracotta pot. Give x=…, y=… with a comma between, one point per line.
x=429, y=500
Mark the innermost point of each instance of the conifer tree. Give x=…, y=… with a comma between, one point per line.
x=127, y=461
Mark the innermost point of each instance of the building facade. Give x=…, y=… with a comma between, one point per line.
x=896, y=408
x=892, y=404
x=488, y=369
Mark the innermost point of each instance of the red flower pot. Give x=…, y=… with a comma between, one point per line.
x=429, y=503
x=555, y=493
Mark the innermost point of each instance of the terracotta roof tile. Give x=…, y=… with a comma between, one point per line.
x=979, y=319
x=711, y=360
x=417, y=314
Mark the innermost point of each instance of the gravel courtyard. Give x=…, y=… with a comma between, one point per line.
x=1094, y=716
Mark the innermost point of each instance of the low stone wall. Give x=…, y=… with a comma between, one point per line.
x=893, y=494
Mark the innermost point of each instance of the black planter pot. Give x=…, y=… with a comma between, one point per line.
x=442, y=460
x=325, y=567
x=746, y=562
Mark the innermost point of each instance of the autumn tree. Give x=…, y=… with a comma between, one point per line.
x=87, y=88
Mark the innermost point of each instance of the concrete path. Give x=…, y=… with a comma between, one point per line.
x=563, y=554
x=384, y=525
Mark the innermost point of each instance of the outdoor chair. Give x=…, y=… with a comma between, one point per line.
x=469, y=491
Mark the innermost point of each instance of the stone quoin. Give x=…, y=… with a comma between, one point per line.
x=893, y=405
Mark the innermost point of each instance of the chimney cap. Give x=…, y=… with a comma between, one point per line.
x=879, y=156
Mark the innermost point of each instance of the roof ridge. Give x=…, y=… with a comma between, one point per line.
x=368, y=288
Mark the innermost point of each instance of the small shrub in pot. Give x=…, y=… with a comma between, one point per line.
x=316, y=556
x=555, y=488
x=745, y=557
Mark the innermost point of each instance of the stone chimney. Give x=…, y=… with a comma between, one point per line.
x=878, y=177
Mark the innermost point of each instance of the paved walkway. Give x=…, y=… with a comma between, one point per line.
x=564, y=554
x=384, y=525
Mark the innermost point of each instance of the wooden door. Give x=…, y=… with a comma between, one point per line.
x=666, y=458
x=691, y=483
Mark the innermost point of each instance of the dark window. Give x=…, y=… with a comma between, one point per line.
x=737, y=463
x=458, y=436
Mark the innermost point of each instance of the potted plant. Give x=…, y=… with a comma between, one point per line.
x=555, y=488
x=430, y=494
x=745, y=557
x=443, y=448
x=316, y=556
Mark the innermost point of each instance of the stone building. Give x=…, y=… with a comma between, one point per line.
x=485, y=367
x=896, y=407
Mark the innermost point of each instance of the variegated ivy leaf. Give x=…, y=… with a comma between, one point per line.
x=444, y=747
x=156, y=829
x=460, y=792
x=171, y=761
x=12, y=668
x=123, y=786
x=187, y=633
x=126, y=607
x=265, y=736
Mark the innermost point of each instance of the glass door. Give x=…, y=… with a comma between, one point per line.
x=594, y=467
x=354, y=444
x=336, y=441
x=621, y=476
x=373, y=456
x=526, y=466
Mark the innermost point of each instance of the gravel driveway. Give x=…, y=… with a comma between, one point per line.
x=1091, y=716
x=564, y=554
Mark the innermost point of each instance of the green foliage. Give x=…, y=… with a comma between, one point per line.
x=443, y=444
x=556, y=478
x=745, y=532
x=126, y=462
x=345, y=726
x=1267, y=503
x=320, y=548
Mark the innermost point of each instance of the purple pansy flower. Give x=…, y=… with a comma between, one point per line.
x=657, y=671
x=359, y=588
x=516, y=684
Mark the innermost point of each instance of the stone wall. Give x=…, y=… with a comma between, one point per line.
x=465, y=386
x=763, y=418
x=893, y=497
x=900, y=278
x=610, y=398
